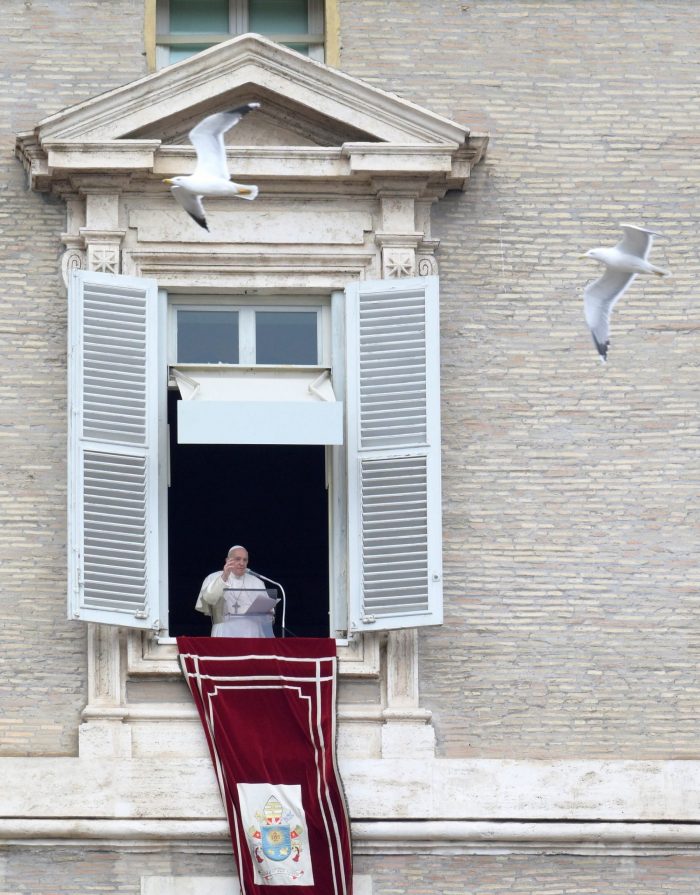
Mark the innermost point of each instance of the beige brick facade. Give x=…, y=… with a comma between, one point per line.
x=570, y=490
x=106, y=872
x=54, y=54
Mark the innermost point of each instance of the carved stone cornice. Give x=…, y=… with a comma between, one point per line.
x=101, y=236
x=117, y=155
x=381, y=837
x=628, y=802
x=376, y=133
x=117, y=161
x=99, y=183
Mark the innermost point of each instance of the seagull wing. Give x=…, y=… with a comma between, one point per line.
x=636, y=241
x=599, y=298
x=191, y=203
x=208, y=140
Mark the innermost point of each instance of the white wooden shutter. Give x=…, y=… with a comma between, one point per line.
x=393, y=423
x=113, y=450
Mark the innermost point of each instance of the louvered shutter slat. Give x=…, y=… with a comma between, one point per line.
x=391, y=350
x=114, y=449
x=393, y=454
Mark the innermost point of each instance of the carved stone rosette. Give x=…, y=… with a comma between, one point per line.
x=103, y=249
x=104, y=258
x=398, y=263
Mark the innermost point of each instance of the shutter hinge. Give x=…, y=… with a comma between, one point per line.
x=368, y=619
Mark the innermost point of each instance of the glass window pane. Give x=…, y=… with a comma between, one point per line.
x=286, y=337
x=207, y=337
x=199, y=17
x=184, y=52
x=278, y=16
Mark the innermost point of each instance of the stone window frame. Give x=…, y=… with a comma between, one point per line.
x=118, y=656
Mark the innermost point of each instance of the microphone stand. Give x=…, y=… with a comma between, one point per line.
x=284, y=596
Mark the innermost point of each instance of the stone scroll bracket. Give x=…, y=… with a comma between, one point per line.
x=74, y=257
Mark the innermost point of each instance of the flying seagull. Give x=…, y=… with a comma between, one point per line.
x=211, y=177
x=623, y=262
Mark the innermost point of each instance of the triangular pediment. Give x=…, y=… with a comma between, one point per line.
x=280, y=121
x=249, y=67
x=304, y=105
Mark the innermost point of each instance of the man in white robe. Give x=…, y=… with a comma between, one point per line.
x=228, y=595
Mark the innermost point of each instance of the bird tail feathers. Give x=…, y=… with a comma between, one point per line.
x=247, y=192
x=601, y=348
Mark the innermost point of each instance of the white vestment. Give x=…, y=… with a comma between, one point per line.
x=227, y=603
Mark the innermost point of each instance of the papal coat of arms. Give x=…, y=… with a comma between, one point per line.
x=278, y=837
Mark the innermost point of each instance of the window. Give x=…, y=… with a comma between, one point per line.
x=221, y=330
x=273, y=497
x=365, y=518
x=185, y=27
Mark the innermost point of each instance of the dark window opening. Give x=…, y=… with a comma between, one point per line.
x=270, y=498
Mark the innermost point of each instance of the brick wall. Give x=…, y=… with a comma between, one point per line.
x=103, y=871
x=54, y=53
x=570, y=490
x=532, y=875
x=72, y=871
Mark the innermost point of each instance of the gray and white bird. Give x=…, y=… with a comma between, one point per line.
x=210, y=177
x=623, y=262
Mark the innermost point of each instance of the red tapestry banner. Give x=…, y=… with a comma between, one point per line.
x=268, y=711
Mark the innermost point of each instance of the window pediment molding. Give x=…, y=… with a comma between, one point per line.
x=248, y=62
x=366, y=198
x=132, y=128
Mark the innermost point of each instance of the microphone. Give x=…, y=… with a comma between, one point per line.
x=284, y=596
